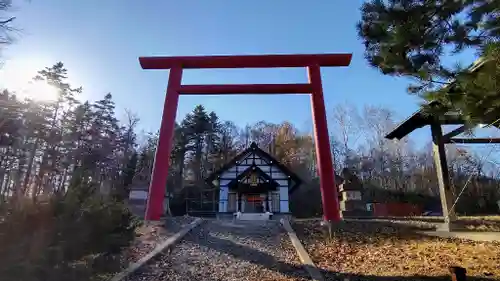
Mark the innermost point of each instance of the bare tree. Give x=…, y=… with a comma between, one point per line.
x=346, y=121
x=129, y=135
x=5, y=22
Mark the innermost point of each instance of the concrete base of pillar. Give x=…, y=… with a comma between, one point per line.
x=450, y=226
x=279, y=216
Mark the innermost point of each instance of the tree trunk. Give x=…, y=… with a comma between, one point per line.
x=182, y=158
x=18, y=188
x=41, y=171
x=30, y=163
x=64, y=178
x=7, y=184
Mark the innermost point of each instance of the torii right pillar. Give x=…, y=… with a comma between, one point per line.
x=329, y=198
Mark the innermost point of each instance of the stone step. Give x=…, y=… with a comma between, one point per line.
x=253, y=216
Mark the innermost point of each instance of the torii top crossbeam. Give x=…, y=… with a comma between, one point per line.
x=248, y=61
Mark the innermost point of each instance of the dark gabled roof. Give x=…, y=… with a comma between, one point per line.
x=268, y=184
x=255, y=149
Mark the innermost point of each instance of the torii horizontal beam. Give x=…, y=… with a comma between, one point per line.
x=245, y=89
x=249, y=61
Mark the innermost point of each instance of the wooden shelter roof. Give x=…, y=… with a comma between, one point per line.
x=420, y=119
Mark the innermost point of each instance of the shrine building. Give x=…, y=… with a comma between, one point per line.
x=254, y=185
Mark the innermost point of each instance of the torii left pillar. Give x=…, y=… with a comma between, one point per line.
x=154, y=209
x=156, y=196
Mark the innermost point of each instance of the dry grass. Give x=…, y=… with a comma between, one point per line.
x=489, y=218
x=378, y=249
x=484, y=223
x=147, y=237
x=465, y=218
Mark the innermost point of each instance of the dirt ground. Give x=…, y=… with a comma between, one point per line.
x=385, y=251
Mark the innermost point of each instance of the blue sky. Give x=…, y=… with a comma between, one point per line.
x=100, y=41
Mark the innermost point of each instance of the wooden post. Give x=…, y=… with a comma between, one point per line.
x=443, y=176
x=239, y=202
x=458, y=273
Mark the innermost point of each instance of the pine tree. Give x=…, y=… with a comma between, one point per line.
x=128, y=174
x=77, y=139
x=52, y=143
x=177, y=158
x=197, y=126
x=212, y=143
x=411, y=38
x=105, y=139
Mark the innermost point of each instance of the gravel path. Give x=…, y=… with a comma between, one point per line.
x=223, y=250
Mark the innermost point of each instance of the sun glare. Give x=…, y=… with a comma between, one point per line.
x=41, y=91
x=17, y=76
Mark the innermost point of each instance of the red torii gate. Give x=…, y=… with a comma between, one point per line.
x=154, y=209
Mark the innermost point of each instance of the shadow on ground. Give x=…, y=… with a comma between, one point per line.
x=385, y=228
x=292, y=271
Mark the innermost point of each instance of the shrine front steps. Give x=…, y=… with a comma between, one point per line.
x=252, y=216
